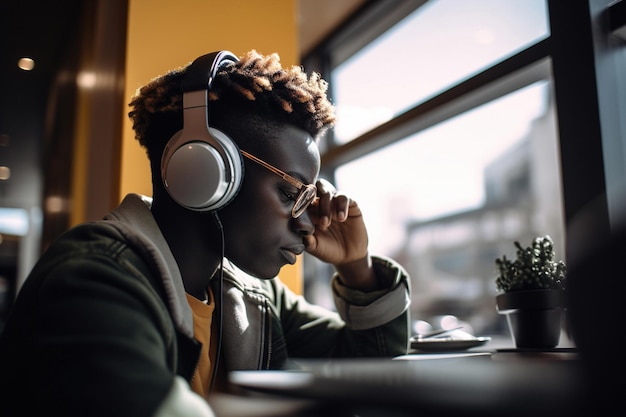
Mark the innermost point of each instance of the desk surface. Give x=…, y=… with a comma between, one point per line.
x=471, y=384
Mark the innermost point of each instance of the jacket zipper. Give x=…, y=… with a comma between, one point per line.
x=268, y=319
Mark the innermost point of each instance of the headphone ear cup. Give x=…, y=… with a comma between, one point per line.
x=235, y=164
x=201, y=167
x=200, y=177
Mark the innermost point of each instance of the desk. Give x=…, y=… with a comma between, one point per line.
x=251, y=405
x=488, y=384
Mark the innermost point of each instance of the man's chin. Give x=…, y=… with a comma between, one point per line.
x=264, y=275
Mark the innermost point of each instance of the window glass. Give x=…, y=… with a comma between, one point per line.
x=447, y=201
x=438, y=45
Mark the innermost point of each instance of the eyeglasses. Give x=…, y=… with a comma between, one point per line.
x=306, y=195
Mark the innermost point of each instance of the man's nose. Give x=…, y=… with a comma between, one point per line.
x=303, y=225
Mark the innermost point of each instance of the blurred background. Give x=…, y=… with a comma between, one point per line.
x=462, y=126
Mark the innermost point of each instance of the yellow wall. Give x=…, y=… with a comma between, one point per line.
x=164, y=34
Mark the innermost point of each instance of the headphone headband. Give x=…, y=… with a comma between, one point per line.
x=202, y=71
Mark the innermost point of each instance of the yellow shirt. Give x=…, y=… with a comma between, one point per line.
x=202, y=320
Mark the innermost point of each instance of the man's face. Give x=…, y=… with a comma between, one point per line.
x=261, y=236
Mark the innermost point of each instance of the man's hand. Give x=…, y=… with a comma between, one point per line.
x=340, y=237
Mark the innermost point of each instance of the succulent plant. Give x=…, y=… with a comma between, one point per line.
x=533, y=269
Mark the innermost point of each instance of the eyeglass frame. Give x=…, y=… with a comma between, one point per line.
x=306, y=192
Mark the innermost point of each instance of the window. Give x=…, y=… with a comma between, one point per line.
x=449, y=137
x=448, y=200
x=433, y=48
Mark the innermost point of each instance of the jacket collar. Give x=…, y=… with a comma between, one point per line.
x=135, y=221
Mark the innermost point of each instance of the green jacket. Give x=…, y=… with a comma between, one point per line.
x=101, y=327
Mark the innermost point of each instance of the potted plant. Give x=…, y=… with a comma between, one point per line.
x=532, y=295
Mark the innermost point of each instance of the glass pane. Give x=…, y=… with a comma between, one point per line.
x=435, y=47
x=448, y=201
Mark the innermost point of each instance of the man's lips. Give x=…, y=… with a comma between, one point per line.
x=290, y=253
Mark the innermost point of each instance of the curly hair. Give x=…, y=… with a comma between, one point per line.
x=253, y=92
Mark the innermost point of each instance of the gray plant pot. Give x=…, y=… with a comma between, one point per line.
x=534, y=316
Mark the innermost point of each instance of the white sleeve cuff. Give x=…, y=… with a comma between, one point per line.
x=379, y=312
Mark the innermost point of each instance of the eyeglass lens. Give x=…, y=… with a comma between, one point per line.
x=304, y=200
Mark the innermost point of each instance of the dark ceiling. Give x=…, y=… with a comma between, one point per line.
x=40, y=30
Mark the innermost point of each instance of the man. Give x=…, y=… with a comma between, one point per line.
x=145, y=312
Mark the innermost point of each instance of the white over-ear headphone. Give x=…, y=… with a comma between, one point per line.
x=201, y=167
